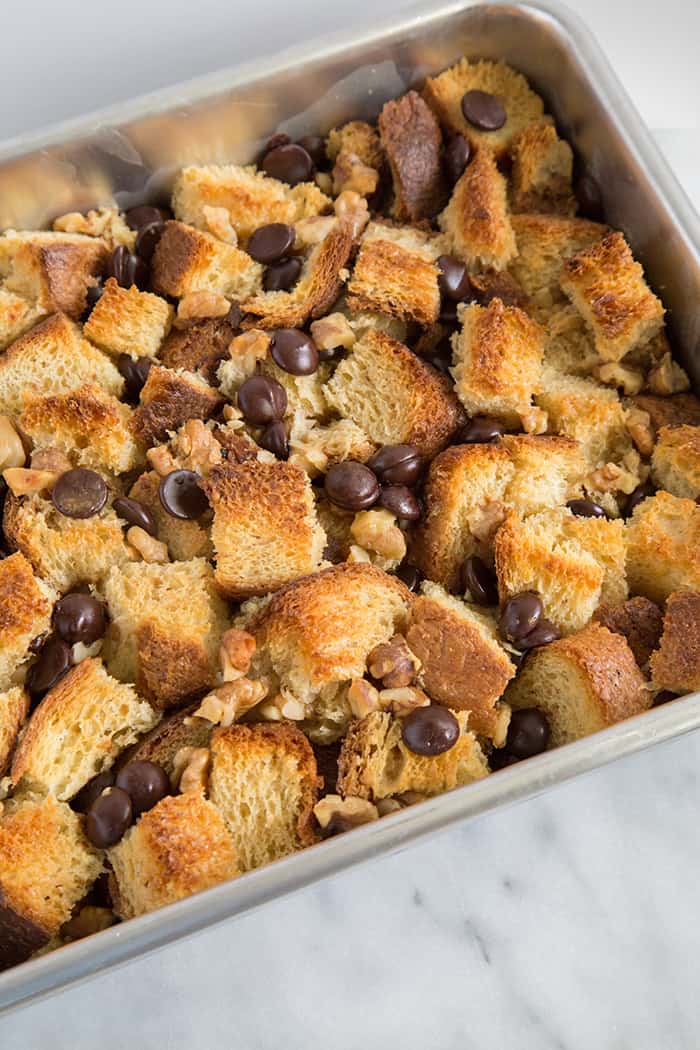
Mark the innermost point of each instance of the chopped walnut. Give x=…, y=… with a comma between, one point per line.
x=503, y=713
x=191, y=767
x=234, y=417
x=362, y=697
x=403, y=700
x=358, y=554
x=393, y=663
x=245, y=350
x=21, y=481
x=324, y=182
x=88, y=920
x=12, y=452
x=353, y=208
x=335, y=814
x=667, y=378
x=161, y=459
x=231, y=701
x=219, y=222
x=331, y=331
x=352, y=174
x=235, y=653
x=534, y=421
x=614, y=477
x=197, y=448
x=151, y=550
x=639, y=428
x=313, y=230
x=377, y=531
x=198, y=305
x=283, y=706
x=50, y=459
x=492, y=517
x=629, y=380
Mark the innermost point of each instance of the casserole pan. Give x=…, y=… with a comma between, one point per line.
x=129, y=152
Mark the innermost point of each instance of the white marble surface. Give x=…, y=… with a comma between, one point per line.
x=571, y=922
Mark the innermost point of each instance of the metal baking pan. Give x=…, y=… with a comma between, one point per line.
x=130, y=151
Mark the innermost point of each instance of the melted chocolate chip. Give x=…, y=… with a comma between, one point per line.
x=262, y=400
x=182, y=496
x=481, y=431
x=397, y=464
x=528, y=733
x=146, y=215
x=289, y=163
x=315, y=147
x=520, y=615
x=146, y=783
x=79, y=493
x=109, y=816
x=282, y=275
x=638, y=496
x=52, y=662
x=479, y=581
x=274, y=439
x=79, y=618
x=294, y=351
x=135, y=513
x=456, y=157
x=92, y=790
x=586, y=508
x=270, y=243
x=351, y=485
x=127, y=269
x=147, y=240
x=544, y=633
x=430, y=730
x=400, y=501
x=409, y=575
x=135, y=373
x=453, y=281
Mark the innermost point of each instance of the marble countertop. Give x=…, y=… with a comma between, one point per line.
x=569, y=922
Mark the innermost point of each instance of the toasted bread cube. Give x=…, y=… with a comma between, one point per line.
x=675, y=462
x=573, y=563
x=543, y=243
x=497, y=361
x=199, y=348
x=25, y=613
x=178, y=848
x=251, y=198
x=265, y=531
x=16, y=316
x=541, y=172
x=582, y=683
x=182, y=728
x=78, y=730
x=586, y=411
x=469, y=489
x=168, y=399
x=476, y=218
x=265, y=783
x=444, y=93
x=392, y=396
x=463, y=665
x=569, y=348
x=14, y=708
x=109, y=223
x=53, y=270
x=52, y=358
x=166, y=625
x=396, y=274
x=359, y=138
x=127, y=321
x=638, y=620
x=676, y=663
x=318, y=287
x=674, y=411
x=187, y=260
x=91, y=427
x=375, y=763
x=607, y=287
x=46, y=866
x=185, y=539
x=663, y=552
x=413, y=142
x=65, y=551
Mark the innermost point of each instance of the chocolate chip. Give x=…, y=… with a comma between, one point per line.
x=79, y=493
x=409, y=575
x=481, y=430
x=480, y=581
x=589, y=198
x=528, y=733
x=262, y=400
x=333, y=353
x=400, y=501
x=145, y=783
x=430, y=730
x=520, y=615
x=269, y=243
x=294, y=351
x=135, y=513
x=483, y=110
x=351, y=485
x=282, y=275
x=79, y=618
x=135, y=372
x=586, y=508
x=280, y=138
x=127, y=269
x=664, y=697
x=441, y=357
x=289, y=163
x=146, y=215
x=92, y=790
x=36, y=643
x=109, y=816
x=92, y=297
x=315, y=147
x=448, y=311
x=182, y=496
x=147, y=240
x=337, y=825
x=274, y=439
x=500, y=758
x=544, y=633
x=397, y=464
x=638, y=496
x=456, y=157
x=51, y=664
x=453, y=281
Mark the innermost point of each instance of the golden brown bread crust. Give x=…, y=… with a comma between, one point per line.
x=199, y=348
x=675, y=461
x=14, y=708
x=675, y=410
x=168, y=400
x=676, y=663
x=638, y=620
x=541, y=172
x=170, y=669
x=663, y=546
x=126, y=320
x=187, y=260
x=64, y=265
x=412, y=141
x=476, y=218
x=175, y=730
x=393, y=279
x=358, y=137
x=501, y=285
x=25, y=608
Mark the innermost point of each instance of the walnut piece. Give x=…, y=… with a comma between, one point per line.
x=198, y=305
x=629, y=380
x=197, y=448
x=231, y=700
x=151, y=550
x=534, y=421
x=492, y=517
x=353, y=208
x=403, y=700
x=107, y=223
x=161, y=459
x=363, y=697
x=639, y=428
x=377, y=531
x=331, y=331
x=614, y=477
x=335, y=814
x=21, y=481
x=245, y=350
x=219, y=222
x=191, y=767
x=667, y=378
x=324, y=182
x=283, y=705
x=312, y=230
x=235, y=653
x=350, y=173
x=393, y=663
x=12, y=452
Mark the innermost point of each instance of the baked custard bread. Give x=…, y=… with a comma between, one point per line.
x=345, y=478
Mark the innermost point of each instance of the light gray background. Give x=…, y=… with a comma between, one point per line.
x=569, y=922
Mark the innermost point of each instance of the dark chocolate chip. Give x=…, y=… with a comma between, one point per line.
x=638, y=496
x=135, y=372
x=333, y=353
x=528, y=733
x=146, y=215
x=79, y=618
x=500, y=758
x=274, y=439
x=351, y=485
x=397, y=464
x=127, y=269
x=480, y=581
x=544, y=633
x=270, y=243
x=109, y=816
x=294, y=351
x=289, y=163
x=664, y=697
x=79, y=493
x=135, y=513
x=589, y=198
x=456, y=157
x=36, y=643
x=52, y=662
x=586, y=508
x=282, y=275
x=92, y=297
x=400, y=501
x=453, y=280
x=280, y=138
x=483, y=110
x=520, y=615
x=448, y=311
x=147, y=240
x=337, y=825
x=182, y=496
x=409, y=575
x=430, y=730
x=145, y=783
x=481, y=430
x=315, y=147
x=92, y=790
x=262, y=400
